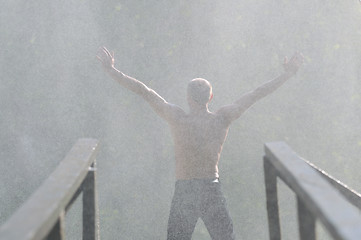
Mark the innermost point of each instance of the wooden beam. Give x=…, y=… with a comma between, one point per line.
x=90, y=207
x=37, y=216
x=351, y=195
x=340, y=218
x=270, y=178
x=58, y=231
x=306, y=222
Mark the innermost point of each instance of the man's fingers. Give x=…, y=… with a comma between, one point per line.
x=107, y=52
x=299, y=59
x=101, y=53
x=105, y=49
x=105, y=57
x=100, y=59
x=302, y=58
x=293, y=59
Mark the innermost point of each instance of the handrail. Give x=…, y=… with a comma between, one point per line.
x=42, y=216
x=351, y=195
x=316, y=197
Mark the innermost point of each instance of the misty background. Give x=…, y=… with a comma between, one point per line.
x=54, y=91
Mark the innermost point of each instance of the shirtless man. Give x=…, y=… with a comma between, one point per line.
x=198, y=138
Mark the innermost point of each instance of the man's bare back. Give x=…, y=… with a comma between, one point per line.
x=198, y=138
x=198, y=135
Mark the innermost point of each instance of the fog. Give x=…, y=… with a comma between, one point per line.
x=53, y=91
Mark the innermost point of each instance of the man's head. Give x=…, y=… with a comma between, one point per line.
x=199, y=91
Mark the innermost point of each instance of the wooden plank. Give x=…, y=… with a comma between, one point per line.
x=306, y=222
x=270, y=178
x=37, y=216
x=341, y=219
x=351, y=195
x=90, y=208
x=58, y=231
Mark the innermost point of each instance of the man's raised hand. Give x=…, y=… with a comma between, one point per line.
x=293, y=64
x=106, y=58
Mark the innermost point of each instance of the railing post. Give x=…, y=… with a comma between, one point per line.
x=90, y=206
x=306, y=222
x=270, y=178
x=57, y=233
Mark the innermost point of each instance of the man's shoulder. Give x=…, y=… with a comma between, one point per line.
x=175, y=113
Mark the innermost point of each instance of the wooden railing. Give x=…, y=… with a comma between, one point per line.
x=319, y=196
x=42, y=216
x=351, y=195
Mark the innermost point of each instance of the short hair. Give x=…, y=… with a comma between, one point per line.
x=199, y=90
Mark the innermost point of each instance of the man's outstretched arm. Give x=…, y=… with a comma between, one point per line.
x=161, y=107
x=235, y=110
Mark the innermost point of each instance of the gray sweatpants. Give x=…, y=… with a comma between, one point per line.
x=199, y=198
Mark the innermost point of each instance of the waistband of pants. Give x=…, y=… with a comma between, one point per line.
x=199, y=180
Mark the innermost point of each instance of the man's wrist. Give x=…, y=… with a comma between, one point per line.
x=112, y=71
x=289, y=74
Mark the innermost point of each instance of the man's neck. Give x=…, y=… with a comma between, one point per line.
x=199, y=109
